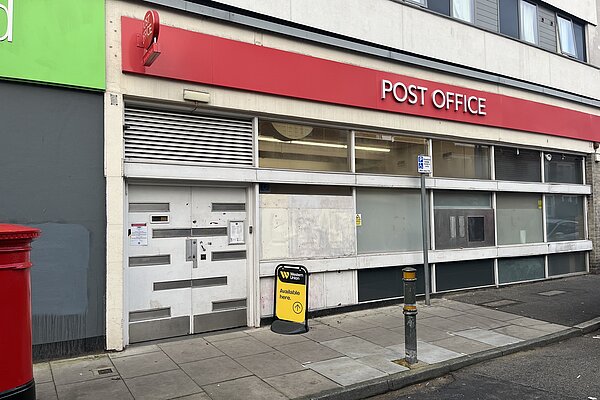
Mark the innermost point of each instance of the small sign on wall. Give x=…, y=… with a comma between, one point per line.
x=235, y=232
x=138, y=235
x=424, y=164
x=358, y=219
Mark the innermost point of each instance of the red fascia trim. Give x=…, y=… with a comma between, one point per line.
x=200, y=58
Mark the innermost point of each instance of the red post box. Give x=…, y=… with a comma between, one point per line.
x=16, y=367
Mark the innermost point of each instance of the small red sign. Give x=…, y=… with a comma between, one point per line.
x=151, y=28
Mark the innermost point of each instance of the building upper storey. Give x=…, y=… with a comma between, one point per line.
x=554, y=44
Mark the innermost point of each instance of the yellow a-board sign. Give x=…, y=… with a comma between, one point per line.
x=291, y=295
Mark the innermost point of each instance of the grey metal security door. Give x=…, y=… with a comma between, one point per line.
x=187, y=260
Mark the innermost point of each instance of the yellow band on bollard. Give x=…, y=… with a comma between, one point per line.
x=408, y=307
x=409, y=274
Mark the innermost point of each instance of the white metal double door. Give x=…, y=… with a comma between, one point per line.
x=187, y=260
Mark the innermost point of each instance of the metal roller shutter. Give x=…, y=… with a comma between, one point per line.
x=184, y=138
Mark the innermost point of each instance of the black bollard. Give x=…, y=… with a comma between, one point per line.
x=409, y=276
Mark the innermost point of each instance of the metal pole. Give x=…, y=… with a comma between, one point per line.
x=409, y=276
x=425, y=228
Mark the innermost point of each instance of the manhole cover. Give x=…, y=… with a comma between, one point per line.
x=552, y=293
x=499, y=303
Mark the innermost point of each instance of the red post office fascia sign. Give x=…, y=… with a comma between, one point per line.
x=196, y=57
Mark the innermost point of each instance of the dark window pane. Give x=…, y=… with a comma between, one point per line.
x=564, y=217
x=385, y=283
x=563, y=168
x=509, y=17
x=520, y=269
x=464, y=274
x=567, y=263
x=517, y=164
x=476, y=229
x=579, y=41
x=441, y=6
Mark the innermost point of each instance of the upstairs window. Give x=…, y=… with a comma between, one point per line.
x=509, y=17
x=566, y=36
x=463, y=10
x=528, y=22
x=439, y=6
x=459, y=9
x=579, y=41
x=570, y=38
x=518, y=18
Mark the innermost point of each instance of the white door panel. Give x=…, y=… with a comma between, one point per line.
x=167, y=290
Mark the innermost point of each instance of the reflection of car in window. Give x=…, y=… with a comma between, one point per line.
x=563, y=229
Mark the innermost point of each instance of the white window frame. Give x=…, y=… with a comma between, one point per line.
x=571, y=33
x=536, y=35
x=422, y=3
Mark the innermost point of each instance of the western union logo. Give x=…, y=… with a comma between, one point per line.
x=285, y=274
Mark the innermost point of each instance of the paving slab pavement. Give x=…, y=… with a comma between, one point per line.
x=345, y=356
x=566, y=301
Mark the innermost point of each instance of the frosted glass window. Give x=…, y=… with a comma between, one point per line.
x=390, y=220
x=566, y=36
x=443, y=199
x=563, y=168
x=460, y=160
x=519, y=218
x=378, y=153
x=463, y=9
x=292, y=146
x=566, y=263
x=520, y=269
x=528, y=14
x=564, y=219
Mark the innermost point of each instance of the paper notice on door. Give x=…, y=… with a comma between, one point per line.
x=236, y=232
x=138, y=235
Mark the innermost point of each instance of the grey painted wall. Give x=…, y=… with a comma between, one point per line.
x=51, y=177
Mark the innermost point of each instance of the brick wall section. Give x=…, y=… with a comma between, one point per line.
x=592, y=174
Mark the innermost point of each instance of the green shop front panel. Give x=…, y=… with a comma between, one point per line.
x=464, y=274
x=59, y=42
x=386, y=283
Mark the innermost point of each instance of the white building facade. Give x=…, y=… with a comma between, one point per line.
x=271, y=132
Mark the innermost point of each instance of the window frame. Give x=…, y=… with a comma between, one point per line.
x=576, y=45
x=450, y=14
x=422, y=3
x=572, y=34
x=472, y=16
x=536, y=41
